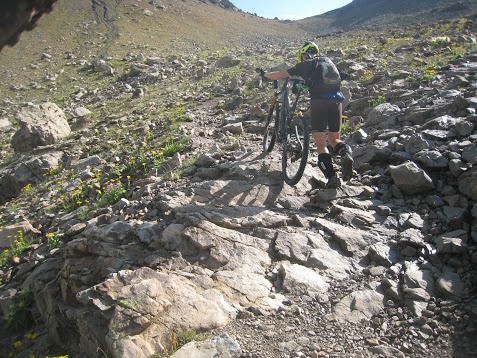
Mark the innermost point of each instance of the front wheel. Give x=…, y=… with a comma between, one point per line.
x=295, y=149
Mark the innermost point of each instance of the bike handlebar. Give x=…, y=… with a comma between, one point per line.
x=295, y=79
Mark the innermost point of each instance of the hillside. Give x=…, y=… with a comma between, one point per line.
x=386, y=14
x=86, y=29
x=141, y=218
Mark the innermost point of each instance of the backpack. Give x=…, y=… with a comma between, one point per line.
x=325, y=77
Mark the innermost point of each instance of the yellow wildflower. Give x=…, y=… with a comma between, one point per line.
x=31, y=335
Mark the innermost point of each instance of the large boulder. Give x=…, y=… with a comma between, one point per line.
x=383, y=115
x=26, y=171
x=358, y=306
x=157, y=303
x=468, y=184
x=40, y=125
x=411, y=179
x=10, y=233
x=227, y=61
x=220, y=346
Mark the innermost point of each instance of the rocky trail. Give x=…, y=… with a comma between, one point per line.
x=384, y=266
x=345, y=310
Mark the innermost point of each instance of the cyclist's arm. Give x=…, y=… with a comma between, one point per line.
x=277, y=75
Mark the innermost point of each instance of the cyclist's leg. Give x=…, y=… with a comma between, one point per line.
x=319, y=122
x=334, y=137
x=335, y=111
x=320, y=141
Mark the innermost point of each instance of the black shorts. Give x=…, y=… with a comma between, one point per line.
x=325, y=115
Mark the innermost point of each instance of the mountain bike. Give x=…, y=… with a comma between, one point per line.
x=287, y=126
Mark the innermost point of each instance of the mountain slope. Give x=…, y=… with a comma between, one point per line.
x=86, y=29
x=382, y=14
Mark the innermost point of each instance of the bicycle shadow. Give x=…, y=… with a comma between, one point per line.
x=253, y=180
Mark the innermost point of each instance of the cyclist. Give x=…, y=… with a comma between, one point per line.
x=326, y=115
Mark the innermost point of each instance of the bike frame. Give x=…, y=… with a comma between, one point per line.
x=292, y=108
x=289, y=128
x=281, y=92
x=276, y=94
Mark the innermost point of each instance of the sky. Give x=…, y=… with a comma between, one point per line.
x=288, y=9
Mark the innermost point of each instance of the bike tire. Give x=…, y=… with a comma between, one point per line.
x=271, y=128
x=295, y=146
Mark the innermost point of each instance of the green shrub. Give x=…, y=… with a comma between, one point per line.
x=19, y=244
x=439, y=41
x=347, y=127
x=112, y=193
x=19, y=314
x=72, y=201
x=53, y=240
x=376, y=101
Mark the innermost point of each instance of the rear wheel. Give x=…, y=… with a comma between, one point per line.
x=271, y=128
x=295, y=149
